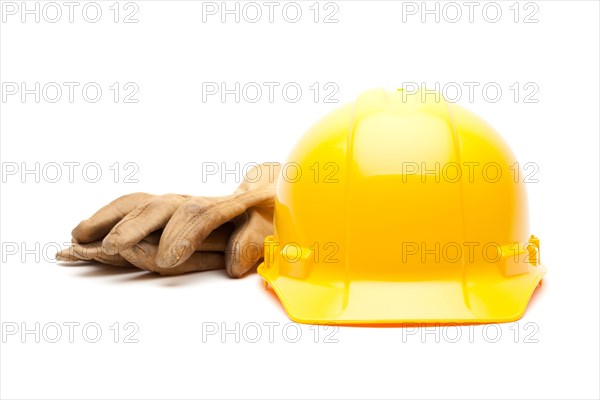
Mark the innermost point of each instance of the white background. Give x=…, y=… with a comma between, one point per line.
x=552, y=352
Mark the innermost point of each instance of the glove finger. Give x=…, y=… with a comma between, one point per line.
x=216, y=241
x=140, y=222
x=67, y=255
x=91, y=252
x=143, y=255
x=245, y=246
x=99, y=224
x=196, y=219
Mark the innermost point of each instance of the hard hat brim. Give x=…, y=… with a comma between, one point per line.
x=480, y=299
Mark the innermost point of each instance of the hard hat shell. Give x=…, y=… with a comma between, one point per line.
x=401, y=208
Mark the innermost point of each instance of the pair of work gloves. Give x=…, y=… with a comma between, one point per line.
x=174, y=234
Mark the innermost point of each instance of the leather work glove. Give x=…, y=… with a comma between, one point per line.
x=174, y=234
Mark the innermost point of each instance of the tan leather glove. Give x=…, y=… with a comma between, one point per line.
x=200, y=233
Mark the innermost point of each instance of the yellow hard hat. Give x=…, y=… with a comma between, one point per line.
x=401, y=208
